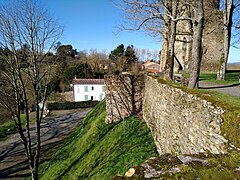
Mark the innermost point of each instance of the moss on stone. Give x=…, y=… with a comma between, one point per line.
x=218, y=167
x=221, y=61
x=222, y=167
x=164, y=162
x=230, y=104
x=231, y=127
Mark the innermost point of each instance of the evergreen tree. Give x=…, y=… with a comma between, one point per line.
x=117, y=53
x=123, y=59
x=130, y=56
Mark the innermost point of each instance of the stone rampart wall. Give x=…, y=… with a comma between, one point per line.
x=181, y=123
x=124, y=96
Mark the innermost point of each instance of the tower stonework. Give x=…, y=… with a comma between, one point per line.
x=212, y=42
x=213, y=34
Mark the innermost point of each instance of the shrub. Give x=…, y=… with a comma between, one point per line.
x=71, y=105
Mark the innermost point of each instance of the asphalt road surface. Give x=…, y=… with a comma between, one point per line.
x=13, y=164
x=233, y=90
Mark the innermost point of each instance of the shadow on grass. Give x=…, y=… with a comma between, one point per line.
x=217, y=86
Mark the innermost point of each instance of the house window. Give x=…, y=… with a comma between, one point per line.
x=91, y=98
x=92, y=88
x=100, y=97
x=103, y=88
x=86, y=97
x=85, y=88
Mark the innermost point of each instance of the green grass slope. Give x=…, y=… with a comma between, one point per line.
x=231, y=78
x=99, y=151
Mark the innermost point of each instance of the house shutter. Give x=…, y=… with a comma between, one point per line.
x=100, y=97
x=86, y=97
x=85, y=88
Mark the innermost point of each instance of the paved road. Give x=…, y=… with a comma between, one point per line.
x=233, y=90
x=13, y=164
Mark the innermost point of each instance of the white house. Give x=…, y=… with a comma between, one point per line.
x=88, y=89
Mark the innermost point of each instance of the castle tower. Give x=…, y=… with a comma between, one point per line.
x=212, y=40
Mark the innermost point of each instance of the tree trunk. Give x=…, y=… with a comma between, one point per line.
x=34, y=173
x=198, y=16
x=171, y=38
x=227, y=20
x=32, y=26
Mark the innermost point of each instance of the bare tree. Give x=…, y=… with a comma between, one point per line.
x=142, y=15
x=147, y=54
x=29, y=26
x=158, y=18
x=197, y=23
x=228, y=9
x=154, y=17
x=172, y=36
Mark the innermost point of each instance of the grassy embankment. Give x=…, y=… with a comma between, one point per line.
x=7, y=128
x=215, y=167
x=99, y=151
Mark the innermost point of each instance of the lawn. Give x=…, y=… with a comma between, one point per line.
x=99, y=151
x=231, y=78
x=10, y=127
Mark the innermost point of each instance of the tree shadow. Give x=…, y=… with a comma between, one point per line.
x=15, y=170
x=220, y=86
x=7, y=152
x=20, y=169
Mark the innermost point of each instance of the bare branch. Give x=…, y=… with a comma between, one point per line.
x=29, y=27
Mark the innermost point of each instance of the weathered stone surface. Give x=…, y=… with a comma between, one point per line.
x=124, y=94
x=130, y=172
x=181, y=123
x=165, y=166
x=188, y=159
x=212, y=40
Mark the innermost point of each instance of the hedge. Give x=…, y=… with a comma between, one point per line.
x=71, y=105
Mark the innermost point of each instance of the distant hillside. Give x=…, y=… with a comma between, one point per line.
x=100, y=151
x=233, y=66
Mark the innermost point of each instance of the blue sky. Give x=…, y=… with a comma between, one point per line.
x=93, y=24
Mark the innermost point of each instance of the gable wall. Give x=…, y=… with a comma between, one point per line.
x=79, y=92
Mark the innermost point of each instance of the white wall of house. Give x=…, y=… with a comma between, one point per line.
x=86, y=92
